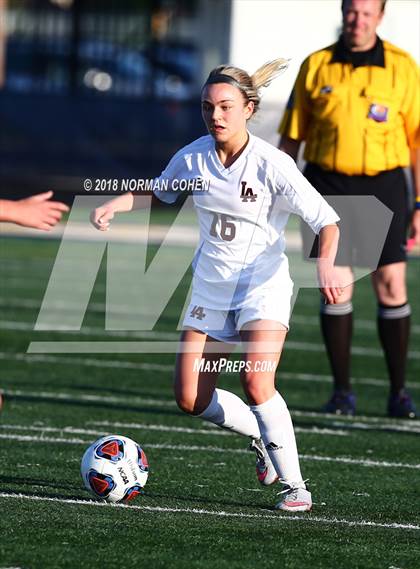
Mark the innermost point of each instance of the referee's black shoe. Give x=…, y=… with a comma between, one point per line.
x=341, y=403
x=401, y=406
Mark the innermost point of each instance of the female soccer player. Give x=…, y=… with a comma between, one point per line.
x=241, y=287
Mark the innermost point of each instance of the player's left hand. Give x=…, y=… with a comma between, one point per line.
x=329, y=283
x=101, y=217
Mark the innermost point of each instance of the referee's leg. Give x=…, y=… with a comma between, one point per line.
x=337, y=329
x=389, y=283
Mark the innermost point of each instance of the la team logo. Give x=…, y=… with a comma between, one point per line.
x=247, y=195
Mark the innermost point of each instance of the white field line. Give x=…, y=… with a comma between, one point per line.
x=92, y=331
x=200, y=512
x=152, y=427
x=125, y=309
x=359, y=324
x=346, y=419
x=207, y=449
x=145, y=426
x=53, y=440
x=60, y=396
x=34, y=284
x=165, y=346
x=356, y=425
x=89, y=331
x=378, y=422
x=67, y=306
x=119, y=364
x=33, y=358
x=80, y=431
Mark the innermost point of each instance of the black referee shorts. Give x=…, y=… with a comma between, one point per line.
x=366, y=239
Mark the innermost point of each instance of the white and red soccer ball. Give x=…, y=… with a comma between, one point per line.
x=115, y=468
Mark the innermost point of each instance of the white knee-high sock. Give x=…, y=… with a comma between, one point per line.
x=277, y=433
x=228, y=411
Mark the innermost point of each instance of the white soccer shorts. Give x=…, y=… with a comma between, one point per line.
x=224, y=325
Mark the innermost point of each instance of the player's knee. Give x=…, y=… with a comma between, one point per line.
x=184, y=401
x=190, y=404
x=256, y=390
x=186, y=404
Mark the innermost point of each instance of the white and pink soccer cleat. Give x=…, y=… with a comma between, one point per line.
x=296, y=498
x=266, y=473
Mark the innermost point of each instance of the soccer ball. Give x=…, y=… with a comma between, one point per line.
x=115, y=468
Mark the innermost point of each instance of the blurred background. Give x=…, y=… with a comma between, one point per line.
x=111, y=89
x=101, y=89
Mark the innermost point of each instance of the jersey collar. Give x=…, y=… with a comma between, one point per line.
x=238, y=162
x=374, y=56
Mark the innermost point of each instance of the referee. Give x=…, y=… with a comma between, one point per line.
x=356, y=104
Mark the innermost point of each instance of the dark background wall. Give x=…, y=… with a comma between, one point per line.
x=101, y=89
x=50, y=142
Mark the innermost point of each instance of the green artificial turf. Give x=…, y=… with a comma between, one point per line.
x=203, y=507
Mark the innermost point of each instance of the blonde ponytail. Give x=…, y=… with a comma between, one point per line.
x=247, y=84
x=265, y=74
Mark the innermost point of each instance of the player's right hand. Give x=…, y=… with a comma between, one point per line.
x=329, y=281
x=38, y=211
x=101, y=217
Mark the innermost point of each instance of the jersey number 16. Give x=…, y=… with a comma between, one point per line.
x=227, y=228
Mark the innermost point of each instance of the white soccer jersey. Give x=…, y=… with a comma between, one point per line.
x=242, y=217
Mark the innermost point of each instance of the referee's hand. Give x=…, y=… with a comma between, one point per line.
x=415, y=228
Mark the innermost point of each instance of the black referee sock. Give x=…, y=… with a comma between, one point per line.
x=394, y=330
x=337, y=329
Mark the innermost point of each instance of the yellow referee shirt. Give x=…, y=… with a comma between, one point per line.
x=356, y=119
